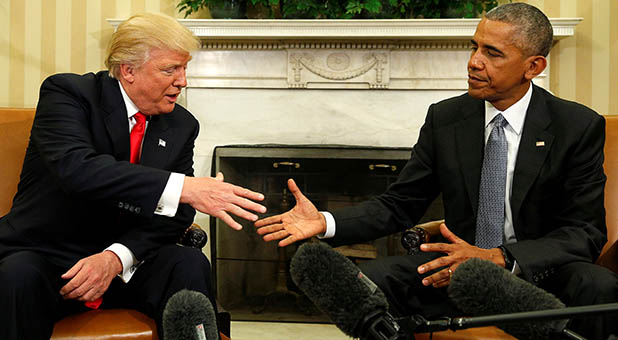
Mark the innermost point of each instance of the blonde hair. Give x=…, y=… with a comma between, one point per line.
x=134, y=38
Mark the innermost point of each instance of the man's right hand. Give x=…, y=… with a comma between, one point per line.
x=302, y=222
x=216, y=198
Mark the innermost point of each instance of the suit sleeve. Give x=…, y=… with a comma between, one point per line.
x=62, y=134
x=574, y=228
x=158, y=230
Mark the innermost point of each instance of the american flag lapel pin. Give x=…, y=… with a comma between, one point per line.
x=540, y=143
x=162, y=142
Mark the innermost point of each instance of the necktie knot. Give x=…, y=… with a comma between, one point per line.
x=499, y=121
x=140, y=118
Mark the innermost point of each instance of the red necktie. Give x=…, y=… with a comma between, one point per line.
x=137, y=133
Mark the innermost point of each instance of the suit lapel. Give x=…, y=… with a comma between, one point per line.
x=157, y=143
x=469, y=135
x=115, y=117
x=535, y=144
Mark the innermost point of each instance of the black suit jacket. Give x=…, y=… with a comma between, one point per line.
x=78, y=192
x=557, y=195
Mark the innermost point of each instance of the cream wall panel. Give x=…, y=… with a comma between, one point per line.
x=32, y=69
x=169, y=7
x=93, y=35
x=138, y=6
x=153, y=6
x=583, y=93
x=48, y=39
x=78, y=36
x=108, y=10
x=63, y=36
x=567, y=48
x=123, y=9
x=16, y=53
x=5, y=32
x=600, y=56
x=613, y=66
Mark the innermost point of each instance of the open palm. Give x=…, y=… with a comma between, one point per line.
x=301, y=222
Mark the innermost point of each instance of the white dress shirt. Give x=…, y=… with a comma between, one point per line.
x=515, y=115
x=167, y=205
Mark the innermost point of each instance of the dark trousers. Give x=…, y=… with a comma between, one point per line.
x=30, y=286
x=574, y=284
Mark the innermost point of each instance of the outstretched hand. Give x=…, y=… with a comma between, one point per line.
x=457, y=251
x=301, y=222
x=216, y=198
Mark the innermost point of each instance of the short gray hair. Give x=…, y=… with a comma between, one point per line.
x=534, y=31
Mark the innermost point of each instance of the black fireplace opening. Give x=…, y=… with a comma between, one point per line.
x=252, y=279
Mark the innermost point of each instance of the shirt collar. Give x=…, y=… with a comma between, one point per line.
x=128, y=103
x=515, y=115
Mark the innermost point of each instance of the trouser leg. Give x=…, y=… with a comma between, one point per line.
x=581, y=284
x=174, y=268
x=29, y=296
x=400, y=281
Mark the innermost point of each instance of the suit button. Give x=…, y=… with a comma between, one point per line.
x=120, y=205
x=137, y=210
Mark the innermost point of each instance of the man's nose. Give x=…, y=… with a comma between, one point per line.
x=181, y=79
x=475, y=61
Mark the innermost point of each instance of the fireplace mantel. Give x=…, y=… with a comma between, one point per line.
x=401, y=29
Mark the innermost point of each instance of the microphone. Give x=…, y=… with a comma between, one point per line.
x=189, y=315
x=337, y=287
x=479, y=287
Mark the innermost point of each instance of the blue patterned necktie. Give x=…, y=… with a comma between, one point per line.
x=490, y=217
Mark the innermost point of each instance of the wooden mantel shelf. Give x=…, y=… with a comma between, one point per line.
x=399, y=29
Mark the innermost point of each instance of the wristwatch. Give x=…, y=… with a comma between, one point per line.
x=508, y=261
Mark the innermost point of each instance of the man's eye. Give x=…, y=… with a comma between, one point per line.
x=168, y=71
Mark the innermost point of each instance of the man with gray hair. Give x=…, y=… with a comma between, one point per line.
x=521, y=177
x=107, y=189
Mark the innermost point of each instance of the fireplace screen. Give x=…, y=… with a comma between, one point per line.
x=252, y=279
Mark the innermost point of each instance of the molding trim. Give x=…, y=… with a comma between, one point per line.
x=401, y=29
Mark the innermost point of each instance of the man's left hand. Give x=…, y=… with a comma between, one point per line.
x=90, y=277
x=456, y=252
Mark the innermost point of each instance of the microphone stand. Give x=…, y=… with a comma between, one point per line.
x=424, y=326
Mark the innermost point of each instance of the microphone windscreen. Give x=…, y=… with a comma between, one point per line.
x=336, y=286
x=189, y=315
x=479, y=287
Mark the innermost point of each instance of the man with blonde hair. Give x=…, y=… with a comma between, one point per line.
x=107, y=189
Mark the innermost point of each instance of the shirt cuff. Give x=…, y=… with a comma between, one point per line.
x=516, y=269
x=330, y=225
x=127, y=259
x=168, y=203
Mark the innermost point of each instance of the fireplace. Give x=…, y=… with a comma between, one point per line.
x=312, y=85
x=252, y=278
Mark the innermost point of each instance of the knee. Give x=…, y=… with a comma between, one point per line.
x=192, y=262
x=595, y=285
x=21, y=272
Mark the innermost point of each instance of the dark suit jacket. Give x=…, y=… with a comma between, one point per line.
x=557, y=195
x=78, y=192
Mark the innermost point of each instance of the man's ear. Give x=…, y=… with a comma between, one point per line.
x=535, y=65
x=127, y=72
